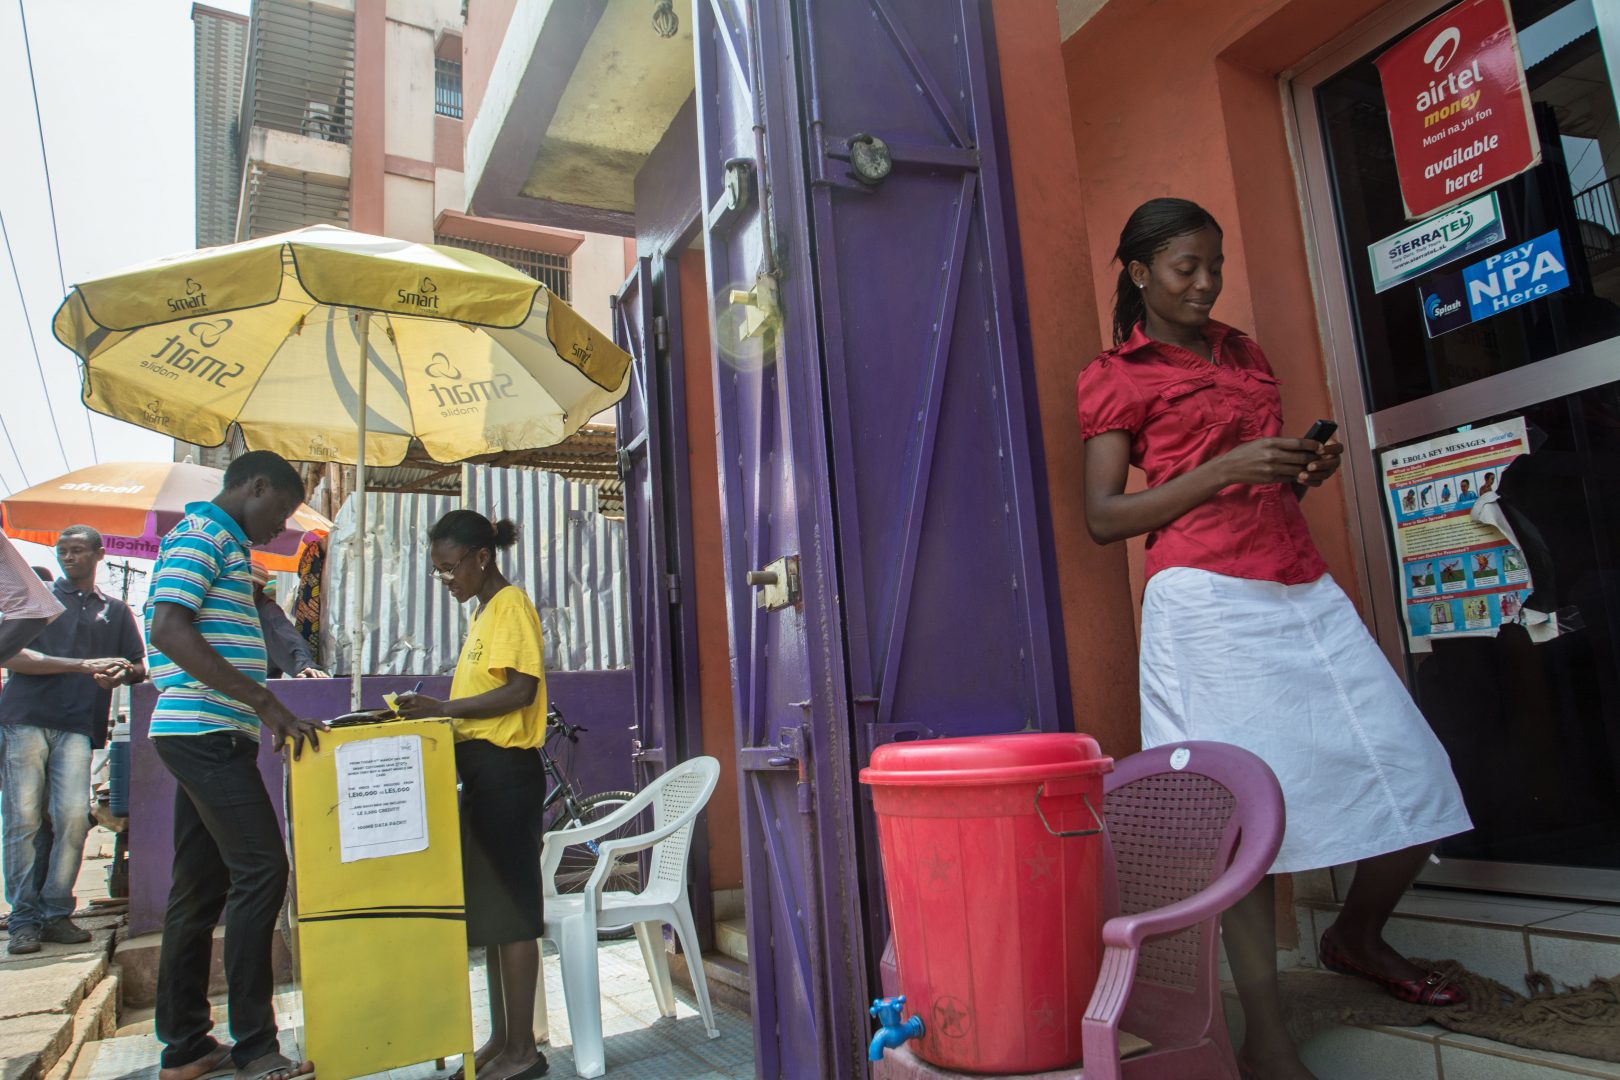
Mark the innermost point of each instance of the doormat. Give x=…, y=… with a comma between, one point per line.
x=1582, y=1021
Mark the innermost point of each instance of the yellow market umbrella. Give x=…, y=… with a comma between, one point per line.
x=462, y=352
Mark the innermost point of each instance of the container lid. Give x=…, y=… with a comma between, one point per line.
x=986, y=759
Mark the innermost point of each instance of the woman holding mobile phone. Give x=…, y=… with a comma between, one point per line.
x=1246, y=639
x=497, y=709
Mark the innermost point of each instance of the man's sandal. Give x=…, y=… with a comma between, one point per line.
x=217, y=1062
x=273, y=1064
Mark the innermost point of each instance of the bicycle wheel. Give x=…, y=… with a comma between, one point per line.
x=579, y=860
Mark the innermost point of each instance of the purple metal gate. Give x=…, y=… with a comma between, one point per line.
x=883, y=561
x=653, y=464
x=944, y=588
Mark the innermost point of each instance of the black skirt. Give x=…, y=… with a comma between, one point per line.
x=502, y=805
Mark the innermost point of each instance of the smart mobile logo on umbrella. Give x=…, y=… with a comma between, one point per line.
x=194, y=298
x=178, y=356
x=425, y=296
x=457, y=395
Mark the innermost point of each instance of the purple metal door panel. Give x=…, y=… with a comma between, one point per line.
x=640, y=467
x=944, y=591
x=795, y=754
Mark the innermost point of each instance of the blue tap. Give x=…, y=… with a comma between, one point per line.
x=891, y=1032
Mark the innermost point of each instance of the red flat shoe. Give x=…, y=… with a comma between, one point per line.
x=1435, y=989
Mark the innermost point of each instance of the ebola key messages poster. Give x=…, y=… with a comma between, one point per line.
x=1459, y=575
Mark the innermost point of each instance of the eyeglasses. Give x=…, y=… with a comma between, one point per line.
x=447, y=576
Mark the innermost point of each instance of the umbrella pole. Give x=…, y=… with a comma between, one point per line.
x=357, y=630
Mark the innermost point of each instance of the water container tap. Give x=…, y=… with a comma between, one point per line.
x=891, y=1031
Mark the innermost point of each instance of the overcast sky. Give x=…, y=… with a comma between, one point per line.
x=115, y=93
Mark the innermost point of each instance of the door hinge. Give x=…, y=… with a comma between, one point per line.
x=778, y=584
x=660, y=334
x=673, y=583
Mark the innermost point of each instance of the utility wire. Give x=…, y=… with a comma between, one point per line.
x=20, y=466
x=50, y=196
x=39, y=365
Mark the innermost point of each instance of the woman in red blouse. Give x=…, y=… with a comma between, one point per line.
x=1245, y=637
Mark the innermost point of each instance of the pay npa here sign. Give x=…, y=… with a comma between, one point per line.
x=1459, y=110
x=1433, y=242
x=1500, y=283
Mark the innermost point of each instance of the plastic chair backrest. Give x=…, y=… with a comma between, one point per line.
x=683, y=790
x=1176, y=814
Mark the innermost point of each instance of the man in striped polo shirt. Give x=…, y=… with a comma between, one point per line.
x=207, y=660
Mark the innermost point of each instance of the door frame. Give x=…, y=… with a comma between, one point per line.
x=1567, y=373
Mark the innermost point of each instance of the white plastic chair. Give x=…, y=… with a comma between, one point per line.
x=571, y=919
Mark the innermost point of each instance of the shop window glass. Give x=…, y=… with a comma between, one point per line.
x=1532, y=724
x=1575, y=190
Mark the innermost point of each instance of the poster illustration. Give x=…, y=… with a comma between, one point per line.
x=1459, y=574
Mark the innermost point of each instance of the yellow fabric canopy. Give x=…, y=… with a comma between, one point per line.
x=466, y=354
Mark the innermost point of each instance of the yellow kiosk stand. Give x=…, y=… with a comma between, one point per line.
x=380, y=937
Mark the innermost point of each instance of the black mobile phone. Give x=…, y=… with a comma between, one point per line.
x=1322, y=431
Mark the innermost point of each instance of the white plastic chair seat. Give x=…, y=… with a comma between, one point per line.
x=571, y=920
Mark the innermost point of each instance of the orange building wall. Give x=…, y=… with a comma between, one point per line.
x=1182, y=97
x=709, y=593
x=1098, y=622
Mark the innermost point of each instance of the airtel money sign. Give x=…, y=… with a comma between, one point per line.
x=1459, y=111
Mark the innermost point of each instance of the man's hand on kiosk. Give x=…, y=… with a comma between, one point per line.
x=285, y=726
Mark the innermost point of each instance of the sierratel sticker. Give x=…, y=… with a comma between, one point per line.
x=1434, y=242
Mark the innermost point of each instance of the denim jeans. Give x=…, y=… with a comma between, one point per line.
x=46, y=806
x=228, y=856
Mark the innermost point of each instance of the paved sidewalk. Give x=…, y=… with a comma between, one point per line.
x=641, y=1044
x=50, y=1001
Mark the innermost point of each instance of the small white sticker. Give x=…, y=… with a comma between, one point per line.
x=1180, y=757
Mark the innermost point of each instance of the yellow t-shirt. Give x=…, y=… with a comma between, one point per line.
x=505, y=634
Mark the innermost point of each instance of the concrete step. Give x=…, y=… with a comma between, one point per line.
x=137, y=960
x=95, y=1019
x=728, y=979
x=731, y=939
x=1429, y=1052
x=1503, y=937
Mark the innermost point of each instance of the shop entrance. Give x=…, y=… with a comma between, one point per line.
x=1511, y=648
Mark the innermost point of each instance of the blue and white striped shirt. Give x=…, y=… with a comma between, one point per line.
x=203, y=565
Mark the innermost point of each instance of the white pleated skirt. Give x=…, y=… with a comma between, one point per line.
x=1290, y=673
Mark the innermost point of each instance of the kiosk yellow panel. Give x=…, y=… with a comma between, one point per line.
x=381, y=929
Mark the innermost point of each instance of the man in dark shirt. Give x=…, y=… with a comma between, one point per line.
x=55, y=708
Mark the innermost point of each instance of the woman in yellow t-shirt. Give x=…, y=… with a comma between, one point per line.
x=497, y=707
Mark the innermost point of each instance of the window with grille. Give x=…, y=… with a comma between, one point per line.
x=446, y=87
x=552, y=271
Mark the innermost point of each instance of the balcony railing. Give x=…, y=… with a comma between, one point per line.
x=300, y=71
x=1600, y=223
x=274, y=202
x=552, y=271
x=446, y=87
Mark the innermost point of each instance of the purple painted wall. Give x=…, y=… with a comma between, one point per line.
x=598, y=700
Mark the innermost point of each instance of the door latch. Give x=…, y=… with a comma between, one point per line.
x=778, y=584
x=760, y=307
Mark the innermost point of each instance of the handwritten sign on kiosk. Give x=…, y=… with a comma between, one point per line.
x=381, y=805
x=1459, y=110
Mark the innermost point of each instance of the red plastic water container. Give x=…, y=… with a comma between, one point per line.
x=992, y=862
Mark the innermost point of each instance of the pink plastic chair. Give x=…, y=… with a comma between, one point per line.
x=1192, y=828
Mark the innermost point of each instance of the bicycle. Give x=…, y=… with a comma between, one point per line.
x=566, y=808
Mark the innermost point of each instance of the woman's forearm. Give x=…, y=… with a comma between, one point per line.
x=518, y=692
x=1112, y=517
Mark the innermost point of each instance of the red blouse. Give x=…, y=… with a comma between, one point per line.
x=1181, y=411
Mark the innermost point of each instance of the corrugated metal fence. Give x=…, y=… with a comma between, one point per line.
x=569, y=559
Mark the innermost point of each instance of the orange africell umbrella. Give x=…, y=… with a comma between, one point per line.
x=133, y=504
